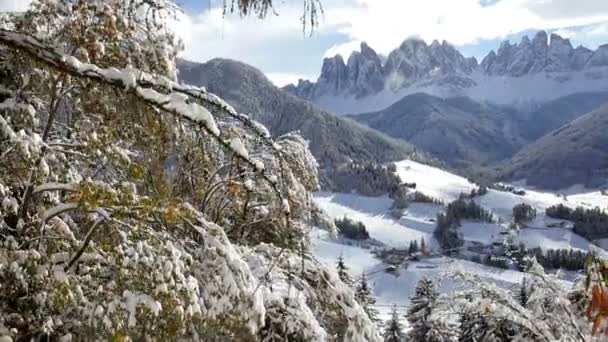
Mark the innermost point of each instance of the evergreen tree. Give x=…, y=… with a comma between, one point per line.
x=343, y=271
x=476, y=326
x=414, y=247
x=393, y=331
x=423, y=249
x=523, y=296
x=420, y=310
x=364, y=296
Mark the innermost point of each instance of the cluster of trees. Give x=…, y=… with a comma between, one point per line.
x=491, y=260
x=402, y=199
x=566, y=259
x=479, y=191
x=351, y=229
x=517, y=256
x=589, y=223
x=420, y=197
x=508, y=188
x=523, y=213
x=448, y=223
x=369, y=179
x=398, y=255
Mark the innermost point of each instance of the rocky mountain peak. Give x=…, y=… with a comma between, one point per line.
x=543, y=53
x=440, y=66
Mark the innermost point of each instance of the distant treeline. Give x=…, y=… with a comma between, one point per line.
x=589, y=223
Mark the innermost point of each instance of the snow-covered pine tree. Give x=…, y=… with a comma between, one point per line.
x=523, y=295
x=420, y=310
x=393, y=329
x=342, y=270
x=365, y=297
x=137, y=208
x=477, y=326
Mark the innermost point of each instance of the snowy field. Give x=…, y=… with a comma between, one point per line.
x=418, y=222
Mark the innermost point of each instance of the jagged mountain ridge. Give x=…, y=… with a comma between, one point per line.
x=365, y=84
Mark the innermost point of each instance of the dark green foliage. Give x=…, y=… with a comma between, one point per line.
x=523, y=295
x=414, y=248
x=559, y=211
x=472, y=326
x=494, y=261
x=423, y=248
x=589, y=223
x=343, y=271
x=476, y=327
x=393, y=331
x=419, y=197
x=351, y=229
x=566, y=259
x=507, y=188
x=363, y=294
x=523, y=213
x=480, y=191
x=421, y=307
x=462, y=209
x=369, y=179
x=446, y=231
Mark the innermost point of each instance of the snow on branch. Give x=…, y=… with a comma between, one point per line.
x=159, y=92
x=54, y=187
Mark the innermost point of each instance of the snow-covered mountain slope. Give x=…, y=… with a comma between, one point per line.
x=575, y=153
x=374, y=213
x=533, y=71
x=417, y=222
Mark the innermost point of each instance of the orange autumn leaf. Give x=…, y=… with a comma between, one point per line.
x=234, y=188
x=599, y=307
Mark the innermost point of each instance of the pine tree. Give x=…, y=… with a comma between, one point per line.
x=366, y=299
x=393, y=331
x=524, y=293
x=414, y=247
x=472, y=326
x=420, y=310
x=476, y=326
x=343, y=271
x=423, y=249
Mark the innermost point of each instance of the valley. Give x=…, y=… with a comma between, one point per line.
x=418, y=222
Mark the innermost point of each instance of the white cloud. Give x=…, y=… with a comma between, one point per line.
x=278, y=46
x=14, y=5
x=281, y=79
x=384, y=24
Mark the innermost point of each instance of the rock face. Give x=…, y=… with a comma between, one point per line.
x=365, y=73
x=417, y=66
x=555, y=54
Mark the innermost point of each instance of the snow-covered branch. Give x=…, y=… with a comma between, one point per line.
x=54, y=187
x=183, y=101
